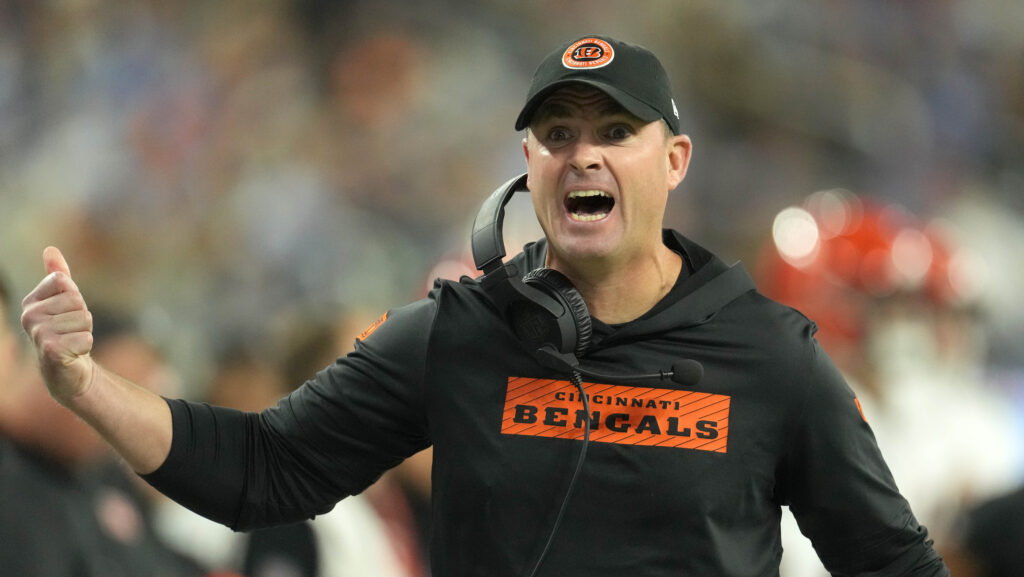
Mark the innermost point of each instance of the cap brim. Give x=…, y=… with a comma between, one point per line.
x=636, y=107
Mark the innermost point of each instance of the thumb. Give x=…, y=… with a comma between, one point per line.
x=54, y=261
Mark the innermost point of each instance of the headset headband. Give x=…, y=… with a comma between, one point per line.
x=487, y=242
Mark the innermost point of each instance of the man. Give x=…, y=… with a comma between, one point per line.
x=682, y=478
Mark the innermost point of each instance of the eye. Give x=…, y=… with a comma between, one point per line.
x=619, y=132
x=558, y=134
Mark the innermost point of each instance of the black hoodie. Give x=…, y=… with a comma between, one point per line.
x=678, y=480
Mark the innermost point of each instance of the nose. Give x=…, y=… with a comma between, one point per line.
x=585, y=155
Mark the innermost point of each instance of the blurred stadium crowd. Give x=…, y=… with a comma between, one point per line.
x=224, y=172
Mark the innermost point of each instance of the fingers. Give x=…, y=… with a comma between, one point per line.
x=59, y=314
x=55, y=302
x=56, y=308
x=64, y=349
x=56, y=282
x=75, y=321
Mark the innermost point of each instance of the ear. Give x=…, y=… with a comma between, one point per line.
x=679, y=149
x=526, y=153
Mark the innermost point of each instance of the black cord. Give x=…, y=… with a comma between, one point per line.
x=577, y=379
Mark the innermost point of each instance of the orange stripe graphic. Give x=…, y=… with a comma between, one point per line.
x=373, y=326
x=620, y=414
x=860, y=409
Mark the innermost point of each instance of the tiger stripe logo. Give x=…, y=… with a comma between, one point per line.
x=588, y=53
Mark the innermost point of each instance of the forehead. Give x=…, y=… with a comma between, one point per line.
x=577, y=100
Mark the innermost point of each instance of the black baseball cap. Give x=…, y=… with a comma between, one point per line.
x=630, y=74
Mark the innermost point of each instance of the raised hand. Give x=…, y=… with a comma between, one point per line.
x=58, y=321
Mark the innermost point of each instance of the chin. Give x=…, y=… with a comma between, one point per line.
x=579, y=248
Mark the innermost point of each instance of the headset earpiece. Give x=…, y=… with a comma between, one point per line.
x=570, y=332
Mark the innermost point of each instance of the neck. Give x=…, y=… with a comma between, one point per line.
x=623, y=292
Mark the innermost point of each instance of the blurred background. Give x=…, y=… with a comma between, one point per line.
x=227, y=173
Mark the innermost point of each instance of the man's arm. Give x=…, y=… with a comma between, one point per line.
x=841, y=491
x=135, y=421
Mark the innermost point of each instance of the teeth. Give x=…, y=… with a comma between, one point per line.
x=586, y=193
x=587, y=217
x=592, y=216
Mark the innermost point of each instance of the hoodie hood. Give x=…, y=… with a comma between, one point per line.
x=709, y=285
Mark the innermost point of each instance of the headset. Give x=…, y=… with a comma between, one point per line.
x=544, y=309
x=550, y=318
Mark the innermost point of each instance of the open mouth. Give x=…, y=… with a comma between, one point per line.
x=588, y=205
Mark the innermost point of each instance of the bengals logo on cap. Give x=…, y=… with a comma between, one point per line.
x=588, y=53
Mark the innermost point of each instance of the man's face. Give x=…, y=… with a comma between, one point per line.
x=599, y=177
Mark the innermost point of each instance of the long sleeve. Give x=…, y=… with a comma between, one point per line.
x=842, y=492
x=329, y=439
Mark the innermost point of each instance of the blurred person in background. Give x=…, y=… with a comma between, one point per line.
x=988, y=537
x=894, y=300
x=775, y=422
x=68, y=509
x=306, y=342
x=125, y=348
